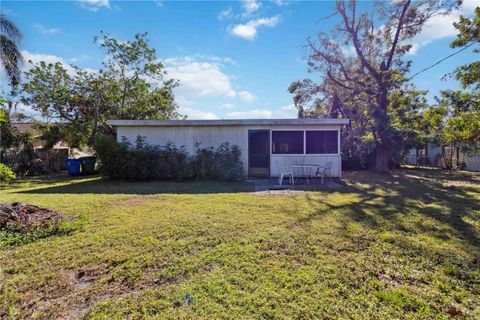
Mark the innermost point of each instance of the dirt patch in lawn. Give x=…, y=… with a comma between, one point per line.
x=139, y=199
x=73, y=294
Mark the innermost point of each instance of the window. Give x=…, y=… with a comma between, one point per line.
x=321, y=142
x=287, y=142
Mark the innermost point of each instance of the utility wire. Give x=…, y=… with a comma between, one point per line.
x=441, y=60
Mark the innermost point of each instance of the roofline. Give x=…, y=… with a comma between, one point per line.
x=230, y=122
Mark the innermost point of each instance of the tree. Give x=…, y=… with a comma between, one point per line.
x=469, y=35
x=327, y=100
x=131, y=84
x=455, y=120
x=10, y=55
x=376, y=68
x=10, y=137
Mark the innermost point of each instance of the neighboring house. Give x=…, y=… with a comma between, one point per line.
x=42, y=160
x=264, y=143
x=431, y=154
x=37, y=140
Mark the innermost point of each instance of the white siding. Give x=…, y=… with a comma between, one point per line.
x=207, y=136
x=472, y=162
x=212, y=136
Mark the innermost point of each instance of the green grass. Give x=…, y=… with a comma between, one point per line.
x=402, y=246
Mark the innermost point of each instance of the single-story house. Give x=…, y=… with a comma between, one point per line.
x=431, y=154
x=38, y=141
x=37, y=138
x=264, y=142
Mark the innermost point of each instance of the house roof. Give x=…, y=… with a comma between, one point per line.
x=232, y=122
x=28, y=126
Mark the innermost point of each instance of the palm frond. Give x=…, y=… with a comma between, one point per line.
x=9, y=29
x=10, y=57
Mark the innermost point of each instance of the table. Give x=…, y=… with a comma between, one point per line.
x=306, y=169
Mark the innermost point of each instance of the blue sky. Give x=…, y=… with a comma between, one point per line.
x=233, y=59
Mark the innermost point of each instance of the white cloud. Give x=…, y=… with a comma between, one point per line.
x=246, y=96
x=94, y=5
x=251, y=114
x=441, y=26
x=187, y=108
x=26, y=109
x=158, y=3
x=201, y=78
x=349, y=51
x=228, y=106
x=248, y=31
x=48, y=58
x=288, y=112
x=81, y=57
x=195, y=114
x=280, y=2
x=250, y=6
x=225, y=14
x=42, y=29
x=285, y=112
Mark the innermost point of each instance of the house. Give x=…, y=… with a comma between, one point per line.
x=266, y=144
x=433, y=154
x=38, y=141
x=37, y=138
x=45, y=160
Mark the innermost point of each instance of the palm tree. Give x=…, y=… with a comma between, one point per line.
x=10, y=55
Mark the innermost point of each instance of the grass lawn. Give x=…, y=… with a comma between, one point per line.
x=405, y=246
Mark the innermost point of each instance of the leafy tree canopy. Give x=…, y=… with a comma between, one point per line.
x=131, y=84
x=365, y=80
x=455, y=119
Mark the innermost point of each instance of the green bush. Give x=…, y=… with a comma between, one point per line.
x=142, y=161
x=6, y=174
x=221, y=163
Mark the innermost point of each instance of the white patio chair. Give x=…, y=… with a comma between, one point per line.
x=284, y=171
x=325, y=171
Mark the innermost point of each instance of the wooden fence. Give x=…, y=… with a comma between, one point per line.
x=39, y=161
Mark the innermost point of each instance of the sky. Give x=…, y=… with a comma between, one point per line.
x=234, y=59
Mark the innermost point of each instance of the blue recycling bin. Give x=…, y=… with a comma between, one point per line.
x=73, y=166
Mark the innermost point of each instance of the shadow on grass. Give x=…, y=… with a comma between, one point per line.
x=386, y=201
x=97, y=185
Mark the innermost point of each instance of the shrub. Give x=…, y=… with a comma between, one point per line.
x=221, y=163
x=143, y=161
x=6, y=174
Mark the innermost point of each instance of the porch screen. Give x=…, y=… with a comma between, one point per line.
x=287, y=142
x=322, y=142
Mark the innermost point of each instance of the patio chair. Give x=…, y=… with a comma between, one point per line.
x=325, y=171
x=284, y=171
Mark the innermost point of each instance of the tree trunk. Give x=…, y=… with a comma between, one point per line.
x=383, y=148
x=382, y=159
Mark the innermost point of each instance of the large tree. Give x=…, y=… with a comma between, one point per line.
x=131, y=84
x=454, y=121
x=363, y=59
x=468, y=35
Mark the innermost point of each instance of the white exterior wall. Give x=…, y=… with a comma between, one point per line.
x=472, y=162
x=212, y=136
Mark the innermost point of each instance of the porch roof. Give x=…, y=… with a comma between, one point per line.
x=229, y=122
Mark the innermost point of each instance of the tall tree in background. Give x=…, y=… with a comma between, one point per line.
x=454, y=121
x=10, y=55
x=374, y=68
x=468, y=35
x=132, y=84
x=11, y=59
